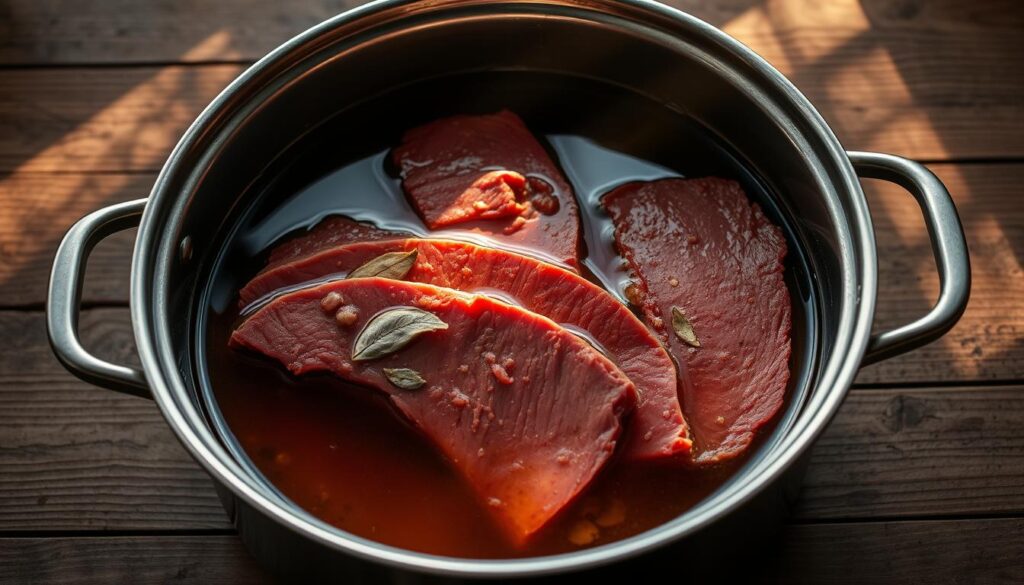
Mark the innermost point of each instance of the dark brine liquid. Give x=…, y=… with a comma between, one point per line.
x=338, y=450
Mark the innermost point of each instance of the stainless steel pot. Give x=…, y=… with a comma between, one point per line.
x=643, y=46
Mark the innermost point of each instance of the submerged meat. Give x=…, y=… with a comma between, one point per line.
x=657, y=428
x=489, y=174
x=527, y=412
x=333, y=231
x=700, y=247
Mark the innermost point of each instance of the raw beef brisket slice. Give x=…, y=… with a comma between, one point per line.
x=700, y=245
x=527, y=412
x=657, y=428
x=490, y=175
x=333, y=231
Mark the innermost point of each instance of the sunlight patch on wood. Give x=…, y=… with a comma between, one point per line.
x=129, y=132
x=891, y=117
x=38, y=210
x=778, y=31
x=989, y=339
x=755, y=29
x=135, y=128
x=219, y=46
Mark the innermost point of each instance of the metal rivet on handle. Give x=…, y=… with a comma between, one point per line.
x=185, y=249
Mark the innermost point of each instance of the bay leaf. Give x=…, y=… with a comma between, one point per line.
x=404, y=378
x=393, y=265
x=684, y=330
x=391, y=330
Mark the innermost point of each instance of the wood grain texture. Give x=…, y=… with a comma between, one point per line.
x=96, y=120
x=959, y=551
x=892, y=79
x=94, y=94
x=987, y=344
x=37, y=209
x=138, y=560
x=75, y=457
x=953, y=551
x=127, y=31
x=919, y=453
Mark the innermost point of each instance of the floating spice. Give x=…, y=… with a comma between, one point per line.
x=684, y=330
x=404, y=378
x=613, y=515
x=633, y=294
x=391, y=330
x=331, y=302
x=347, y=315
x=393, y=265
x=583, y=533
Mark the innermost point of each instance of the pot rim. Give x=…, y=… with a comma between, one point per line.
x=151, y=262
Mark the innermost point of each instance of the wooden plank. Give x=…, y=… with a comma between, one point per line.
x=919, y=453
x=36, y=209
x=891, y=76
x=988, y=342
x=137, y=559
x=930, y=81
x=35, y=212
x=956, y=551
x=75, y=457
x=126, y=31
x=123, y=31
x=95, y=120
x=951, y=551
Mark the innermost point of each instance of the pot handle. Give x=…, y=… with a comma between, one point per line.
x=62, y=302
x=948, y=246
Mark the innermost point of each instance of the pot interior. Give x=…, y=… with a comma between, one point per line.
x=647, y=89
x=603, y=136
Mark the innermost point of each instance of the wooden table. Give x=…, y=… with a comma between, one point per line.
x=919, y=478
